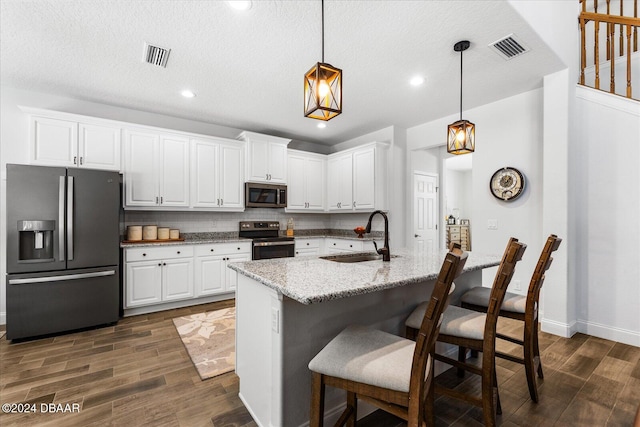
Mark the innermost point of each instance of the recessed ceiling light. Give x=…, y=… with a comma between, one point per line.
x=187, y=94
x=416, y=81
x=240, y=4
x=322, y=125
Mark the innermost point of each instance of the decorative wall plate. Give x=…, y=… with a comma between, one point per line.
x=507, y=183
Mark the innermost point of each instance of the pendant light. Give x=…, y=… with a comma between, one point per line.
x=323, y=88
x=461, y=135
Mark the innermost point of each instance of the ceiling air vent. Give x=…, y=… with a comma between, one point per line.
x=156, y=55
x=508, y=47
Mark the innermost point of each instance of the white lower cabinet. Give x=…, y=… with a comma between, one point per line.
x=333, y=246
x=157, y=275
x=212, y=275
x=308, y=246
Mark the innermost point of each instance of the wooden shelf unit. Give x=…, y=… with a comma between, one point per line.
x=459, y=234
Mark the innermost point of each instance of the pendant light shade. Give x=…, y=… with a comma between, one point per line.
x=461, y=135
x=323, y=88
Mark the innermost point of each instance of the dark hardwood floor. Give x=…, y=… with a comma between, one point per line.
x=138, y=373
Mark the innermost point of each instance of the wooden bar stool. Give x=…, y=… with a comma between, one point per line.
x=386, y=370
x=477, y=331
x=523, y=308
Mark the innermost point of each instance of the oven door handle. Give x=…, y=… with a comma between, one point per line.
x=273, y=243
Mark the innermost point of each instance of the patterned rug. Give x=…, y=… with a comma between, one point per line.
x=210, y=339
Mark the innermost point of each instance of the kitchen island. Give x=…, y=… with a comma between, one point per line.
x=288, y=309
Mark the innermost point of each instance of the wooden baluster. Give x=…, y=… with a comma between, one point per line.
x=595, y=6
x=628, y=60
x=621, y=29
x=596, y=53
x=584, y=5
x=612, y=84
x=608, y=32
x=635, y=29
x=583, y=50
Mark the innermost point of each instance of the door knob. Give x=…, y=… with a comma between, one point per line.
x=416, y=235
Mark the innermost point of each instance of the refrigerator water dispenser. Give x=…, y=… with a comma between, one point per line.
x=35, y=240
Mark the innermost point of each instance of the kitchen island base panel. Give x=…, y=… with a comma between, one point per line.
x=275, y=384
x=146, y=309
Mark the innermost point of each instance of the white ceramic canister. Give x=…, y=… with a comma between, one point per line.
x=134, y=232
x=163, y=233
x=174, y=234
x=150, y=232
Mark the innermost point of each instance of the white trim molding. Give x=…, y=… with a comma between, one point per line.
x=557, y=328
x=617, y=102
x=625, y=336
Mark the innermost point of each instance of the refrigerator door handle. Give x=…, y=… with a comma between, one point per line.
x=70, y=218
x=61, y=231
x=61, y=278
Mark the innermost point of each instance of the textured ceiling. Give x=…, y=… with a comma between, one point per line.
x=247, y=67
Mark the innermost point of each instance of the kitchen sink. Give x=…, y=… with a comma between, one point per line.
x=354, y=257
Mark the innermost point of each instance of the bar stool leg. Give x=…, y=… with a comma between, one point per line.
x=529, y=361
x=316, y=417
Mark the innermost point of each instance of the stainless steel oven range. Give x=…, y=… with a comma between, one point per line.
x=267, y=242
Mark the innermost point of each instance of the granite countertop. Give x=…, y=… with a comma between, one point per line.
x=232, y=236
x=191, y=239
x=311, y=279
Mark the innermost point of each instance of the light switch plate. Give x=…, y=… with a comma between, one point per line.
x=492, y=224
x=516, y=285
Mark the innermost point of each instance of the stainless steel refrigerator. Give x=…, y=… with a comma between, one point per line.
x=62, y=249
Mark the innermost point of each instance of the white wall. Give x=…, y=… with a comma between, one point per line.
x=609, y=301
x=496, y=147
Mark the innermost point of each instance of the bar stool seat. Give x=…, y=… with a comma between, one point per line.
x=368, y=356
x=480, y=296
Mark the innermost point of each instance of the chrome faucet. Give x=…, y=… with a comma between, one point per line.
x=384, y=251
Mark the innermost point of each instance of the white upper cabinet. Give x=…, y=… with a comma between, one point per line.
x=340, y=182
x=266, y=159
x=69, y=143
x=156, y=169
x=357, y=178
x=306, y=186
x=216, y=174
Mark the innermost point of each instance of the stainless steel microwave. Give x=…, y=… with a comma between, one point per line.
x=265, y=195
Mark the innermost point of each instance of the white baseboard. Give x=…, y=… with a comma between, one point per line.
x=624, y=336
x=558, y=328
x=176, y=304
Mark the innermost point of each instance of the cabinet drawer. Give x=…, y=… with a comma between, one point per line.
x=223, y=248
x=454, y=236
x=454, y=228
x=307, y=243
x=149, y=253
x=344, y=245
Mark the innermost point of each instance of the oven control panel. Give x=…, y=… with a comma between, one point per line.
x=259, y=225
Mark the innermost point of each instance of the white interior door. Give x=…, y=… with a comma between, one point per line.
x=425, y=212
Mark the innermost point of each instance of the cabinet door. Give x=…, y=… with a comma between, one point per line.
x=141, y=168
x=232, y=275
x=177, y=278
x=210, y=275
x=258, y=160
x=296, y=189
x=340, y=192
x=143, y=283
x=277, y=163
x=54, y=142
x=205, y=171
x=99, y=147
x=174, y=171
x=364, y=179
x=315, y=184
x=231, y=182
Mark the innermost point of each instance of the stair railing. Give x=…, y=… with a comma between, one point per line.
x=627, y=28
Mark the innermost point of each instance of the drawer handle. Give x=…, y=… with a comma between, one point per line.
x=238, y=248
x=160, y=264
x=164, y=263
x=307, y=244
x=350, y=246
x=178, y=251
x=211, y=250
x=144, y=254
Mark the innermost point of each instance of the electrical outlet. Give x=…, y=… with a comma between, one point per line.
x=275, y=320
x=516, y=285
x=492, y=224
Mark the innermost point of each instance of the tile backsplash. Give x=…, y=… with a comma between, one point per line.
x=199, y=222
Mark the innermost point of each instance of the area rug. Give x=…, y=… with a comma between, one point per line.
x=210, y=340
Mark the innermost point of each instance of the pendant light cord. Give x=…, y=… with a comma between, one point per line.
x=322, y=2
x=461, y=84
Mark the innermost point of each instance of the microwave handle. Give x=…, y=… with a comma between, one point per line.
x=282, y=197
